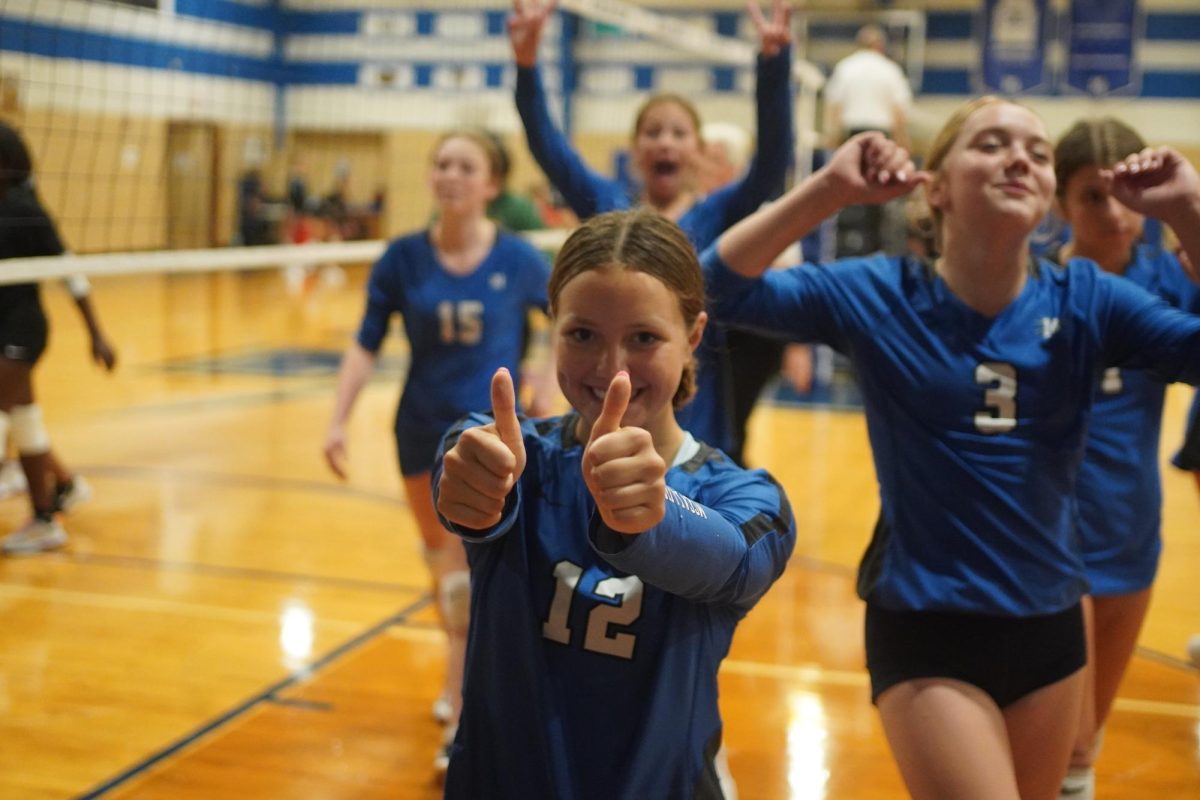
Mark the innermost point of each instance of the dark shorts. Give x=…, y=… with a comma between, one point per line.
x=1007, y=657
x=1188, y=456
x=417, y=448
x=23, y=332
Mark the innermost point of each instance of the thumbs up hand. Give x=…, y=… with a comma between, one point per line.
x=484, y=464
x=622, y=470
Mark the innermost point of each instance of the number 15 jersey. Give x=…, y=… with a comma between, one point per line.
x=460, y=328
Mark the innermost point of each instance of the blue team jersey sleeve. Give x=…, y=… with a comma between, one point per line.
x=586, y=192
x=725, y=547
x=1185, y=292
x=767, y=173
x=1139, y=330
x=385, y=295
x=801, y=303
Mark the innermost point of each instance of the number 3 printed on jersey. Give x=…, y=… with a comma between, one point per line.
x=597, y=638
x=999, y=414
x=461, y=322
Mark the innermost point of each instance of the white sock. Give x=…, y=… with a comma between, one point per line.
x=1080, y=784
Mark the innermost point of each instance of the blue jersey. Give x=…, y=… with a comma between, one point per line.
x=592, y=659
x=977, y=424
x=460, y=328
x=588, y=193
x=1119, y=487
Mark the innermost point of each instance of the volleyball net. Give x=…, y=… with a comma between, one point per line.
x=167, y=135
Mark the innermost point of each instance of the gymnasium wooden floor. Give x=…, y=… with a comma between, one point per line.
x=230, y=622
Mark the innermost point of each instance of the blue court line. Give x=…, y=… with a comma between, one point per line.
x=244, y=481
x=267, y=695
x=240, y=572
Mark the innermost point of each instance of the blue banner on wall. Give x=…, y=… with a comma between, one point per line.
x=1100, y=40
x=1012, y=45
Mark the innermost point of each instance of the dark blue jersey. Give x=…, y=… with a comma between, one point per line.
x=1188, y=456
x=1119, y=487
x=592, y=660
x=588, y=193
x=977, y=424
x=460, y=328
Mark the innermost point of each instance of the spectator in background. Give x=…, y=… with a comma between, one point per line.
x=299, y=226
x=551, y=207
x=867, y=91
x=297, y=187
x=343, y=221
x=512, y=211
x=253, y=226
x=724, y=154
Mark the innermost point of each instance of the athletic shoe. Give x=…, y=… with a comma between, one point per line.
x=72, y=494
x=1080, y=784
x=34, y=536
x=442, y=709
x=12, y=478
x=1194, y=649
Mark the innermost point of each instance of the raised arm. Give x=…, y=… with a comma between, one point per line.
x=643, y=526
x=1139, y=330
x=868, y=168
x=728, y=553
x=525, y=26
x=586, y=192
x=766, y=175
x=1161, y=183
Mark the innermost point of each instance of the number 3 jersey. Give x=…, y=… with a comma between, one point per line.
x=977, y=424
x=460, y=328
x=592, y=658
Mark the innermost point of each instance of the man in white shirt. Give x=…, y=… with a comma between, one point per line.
x=867, y=92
